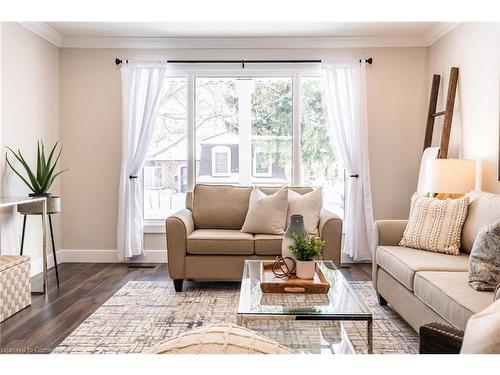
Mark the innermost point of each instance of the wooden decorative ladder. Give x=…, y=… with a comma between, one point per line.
x=448, y=112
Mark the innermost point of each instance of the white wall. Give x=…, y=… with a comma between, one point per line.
x=30, y=111
x=475, y=49
x=91, y=132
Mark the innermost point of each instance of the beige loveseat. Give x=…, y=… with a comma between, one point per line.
x=426, y=287
x=204, y=240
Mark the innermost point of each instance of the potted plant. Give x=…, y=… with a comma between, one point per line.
x=306, y=249
x=40, y=180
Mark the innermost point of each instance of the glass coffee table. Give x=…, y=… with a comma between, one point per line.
x=305, y=323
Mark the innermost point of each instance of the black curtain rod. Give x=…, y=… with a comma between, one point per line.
x=242, y=62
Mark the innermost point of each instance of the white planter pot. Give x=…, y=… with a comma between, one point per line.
x=306, y=270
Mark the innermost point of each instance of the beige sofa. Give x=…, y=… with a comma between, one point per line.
x=204, y=240
x=426, y=287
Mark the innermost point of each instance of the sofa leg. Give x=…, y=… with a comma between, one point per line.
x=381, y=300
x=178, y=285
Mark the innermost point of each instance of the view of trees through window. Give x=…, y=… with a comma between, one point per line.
x=242, y=134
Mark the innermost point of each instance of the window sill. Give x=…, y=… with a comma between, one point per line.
x=154, y=227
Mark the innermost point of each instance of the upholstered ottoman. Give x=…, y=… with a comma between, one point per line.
x=15, y=284
x=220, y=339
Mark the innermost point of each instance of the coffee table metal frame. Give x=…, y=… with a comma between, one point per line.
x=327, y=266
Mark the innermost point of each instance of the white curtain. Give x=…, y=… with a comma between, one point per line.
x=344, y=93
x=141, y=86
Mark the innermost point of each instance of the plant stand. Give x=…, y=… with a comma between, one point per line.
x=34, y=209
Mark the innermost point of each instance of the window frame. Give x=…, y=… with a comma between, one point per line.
x=294, y=71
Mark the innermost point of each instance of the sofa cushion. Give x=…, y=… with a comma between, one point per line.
x=268, y=244
x=484, y=209
x=403, y=262
x=220, y=206
x=449, y=294
x=308, y=205
x=220, y=242
x=266, y=213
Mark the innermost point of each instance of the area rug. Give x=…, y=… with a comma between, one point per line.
x=143, y=313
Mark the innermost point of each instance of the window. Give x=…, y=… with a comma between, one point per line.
x=244, y=128
x=262, y=164
x=164, y=173
x=221, y=161
x=319, y=166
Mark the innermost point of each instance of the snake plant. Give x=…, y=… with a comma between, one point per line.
x=41, y=180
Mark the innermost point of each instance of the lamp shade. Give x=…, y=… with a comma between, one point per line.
x=451, y=176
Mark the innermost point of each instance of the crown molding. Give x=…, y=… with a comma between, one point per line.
x=438, y=31
x=56, y=38
x=45, y=31
x=166, y=43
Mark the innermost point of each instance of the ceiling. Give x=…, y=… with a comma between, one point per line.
x=158, y=35
x=240, y=30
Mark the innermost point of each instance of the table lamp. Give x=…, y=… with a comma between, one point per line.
x=450, y=178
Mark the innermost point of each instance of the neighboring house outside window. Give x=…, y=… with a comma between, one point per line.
x=221, y=161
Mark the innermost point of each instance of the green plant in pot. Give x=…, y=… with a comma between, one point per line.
x=307, y=249
x=39, y=180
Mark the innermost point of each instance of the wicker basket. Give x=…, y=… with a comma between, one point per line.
x=36, y=208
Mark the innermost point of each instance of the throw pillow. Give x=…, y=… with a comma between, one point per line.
x=484, y=268
x=308, y=205
x=266, y=213
x=482, y=333
x=435, y=224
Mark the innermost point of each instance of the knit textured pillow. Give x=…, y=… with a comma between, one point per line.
x=435, y=224
x=484, y=260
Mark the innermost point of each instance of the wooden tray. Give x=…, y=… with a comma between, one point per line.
x=272, y=284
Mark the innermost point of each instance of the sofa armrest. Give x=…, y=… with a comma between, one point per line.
x=389, y=232
x=386, y=232
x=437, y=338
x=330, y=231
x=178, y=227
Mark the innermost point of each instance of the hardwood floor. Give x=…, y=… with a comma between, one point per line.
x=84, y=288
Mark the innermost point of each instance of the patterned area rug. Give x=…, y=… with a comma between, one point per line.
x=143, y=313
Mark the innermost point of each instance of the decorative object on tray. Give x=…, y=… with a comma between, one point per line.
x=39, y=182
x=281, y=269
x=296, y=226
x=270, y=283
x=306, y=249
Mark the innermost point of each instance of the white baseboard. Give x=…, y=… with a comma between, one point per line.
x=108, y=256
x=95, y=256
